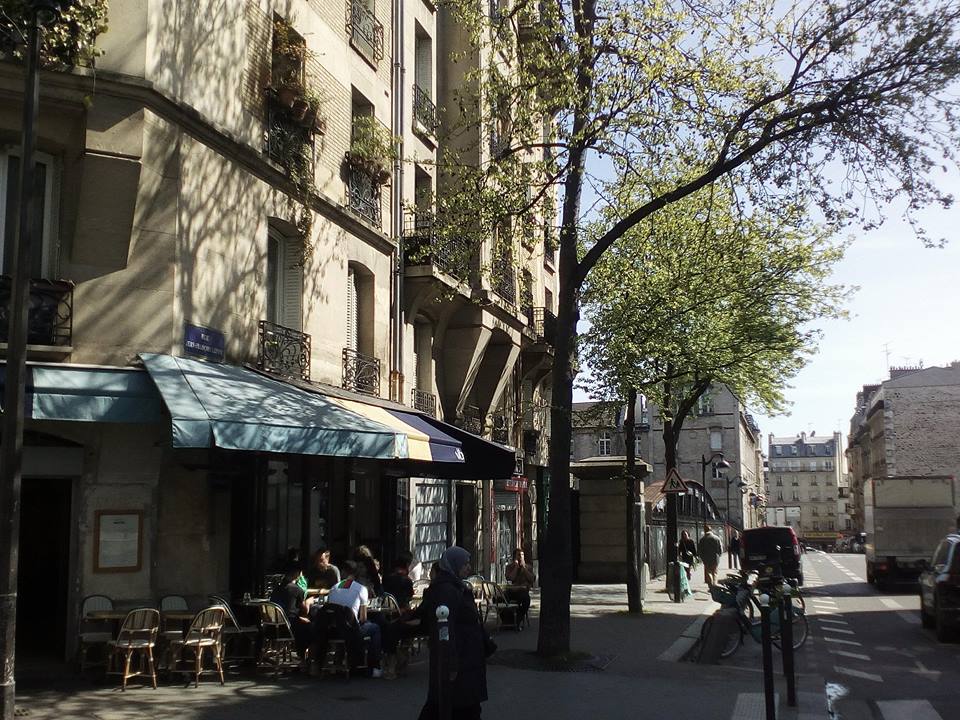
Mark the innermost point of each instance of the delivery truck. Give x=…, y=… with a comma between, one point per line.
x=904, y=518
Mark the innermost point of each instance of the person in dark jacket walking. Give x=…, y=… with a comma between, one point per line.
x=467, y=687
x=710, y=551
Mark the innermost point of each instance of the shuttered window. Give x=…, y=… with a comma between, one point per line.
x=292, y=293
x=352, y=330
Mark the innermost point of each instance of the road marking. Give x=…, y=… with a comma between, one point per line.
x=907, y=710
x=923, y=671
x=842, y=642
x=846, y=653
x=831, y=620
x=752, y=706
x=827, y=628
x=862, y=675
x=910, y=617
x=890, y=603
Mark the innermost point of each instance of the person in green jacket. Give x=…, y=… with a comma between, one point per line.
x=710, y=551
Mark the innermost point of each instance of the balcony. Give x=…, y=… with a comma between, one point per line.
x=545, y=325
x=531, y=441
x=49, y=313
x=289, y=144
x=284, y=351
x=504, y=282
x=424, y=111
x=365, y=31
x=364, y=195
x=471, y=421
x=361, y=373
x=423, y=401
x=423, y=245
x=501, y=430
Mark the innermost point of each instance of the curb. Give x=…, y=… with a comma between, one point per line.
x=681, y=648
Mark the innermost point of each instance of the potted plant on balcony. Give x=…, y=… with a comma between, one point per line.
x=372, y=148
x=312, y=118
x=288, y=57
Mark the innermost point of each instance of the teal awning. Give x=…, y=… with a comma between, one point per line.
x=239, y=409
x=89, y=394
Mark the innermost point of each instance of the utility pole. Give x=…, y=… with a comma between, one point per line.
x=11, y=451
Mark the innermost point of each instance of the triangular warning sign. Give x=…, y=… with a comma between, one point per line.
x=674, y=483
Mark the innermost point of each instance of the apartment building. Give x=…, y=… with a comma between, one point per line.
x=804, y=486
x=231, y=351
x=720, y=425
x=908, y=425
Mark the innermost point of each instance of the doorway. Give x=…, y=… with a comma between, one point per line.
x=43, y=572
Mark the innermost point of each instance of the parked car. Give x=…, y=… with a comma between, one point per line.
x=940, y=588
x=758, y=551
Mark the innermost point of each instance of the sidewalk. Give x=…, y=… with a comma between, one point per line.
x=634, y=674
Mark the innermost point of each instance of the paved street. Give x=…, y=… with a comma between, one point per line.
x=876, y=660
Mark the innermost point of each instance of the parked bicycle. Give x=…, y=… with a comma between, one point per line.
x=737, y=592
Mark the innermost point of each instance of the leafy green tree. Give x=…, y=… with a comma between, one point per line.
x=769, y=97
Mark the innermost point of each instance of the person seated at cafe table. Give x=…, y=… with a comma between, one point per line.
x=291, y=596
x=353, y=594
x=522, y=578
x=368, y=570
x=322, y=574
x=399, y=584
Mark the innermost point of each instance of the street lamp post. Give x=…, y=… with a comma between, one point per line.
x=740, y=485
x=11, y=452
x=721, y=464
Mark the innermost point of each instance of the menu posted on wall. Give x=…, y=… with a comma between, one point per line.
x=119, y=535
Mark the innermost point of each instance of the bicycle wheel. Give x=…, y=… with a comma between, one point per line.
x=732, y=643
x=801, y=628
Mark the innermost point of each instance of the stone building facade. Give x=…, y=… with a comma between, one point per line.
x=203, y=193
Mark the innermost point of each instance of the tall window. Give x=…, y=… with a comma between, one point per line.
x=353, y=329
x=716, y=440
x=637, y=443
x=777, y=450
x=604, y=443
x=284, y=281
x=42, y=252
x=705, y=404
x=813, y=465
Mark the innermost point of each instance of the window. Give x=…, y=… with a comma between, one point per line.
x=360, y=309
x=424, y=110
x=828, y=464
x=43, y=252
x=848, y=524
x=813, y=480
x=814, y=511
x=793, y=450
x=778, y=450
x=816, y=524
x=779, y=494
x=795, y=482
x=716, y=440
x=830, y=525
x=796, y=494
x=352, y=328
x=604, y=443
x=284, y=280
x=779, y=483
x=813, y=465
x=705, y=404
x=637, y=443
x=548, y=305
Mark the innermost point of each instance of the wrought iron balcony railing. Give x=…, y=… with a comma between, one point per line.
x=423, y=244
x=284, y=351
x=527, y=311
x=505, y=284
x=49, y=315
x=423, y=401
x=289, y=144
x=545, y=325
x=361, y=372
x=424, y=111
x=471, y=421
x=364, y=195
x=501, y=430
x=366, y=32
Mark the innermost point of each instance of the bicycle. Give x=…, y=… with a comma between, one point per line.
x=737, y=592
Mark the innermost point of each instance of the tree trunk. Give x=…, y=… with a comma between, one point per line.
x=634, y=603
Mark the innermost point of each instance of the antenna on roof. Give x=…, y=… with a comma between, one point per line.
x=886, y=352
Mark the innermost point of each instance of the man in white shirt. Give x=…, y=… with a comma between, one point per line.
x=354, y=595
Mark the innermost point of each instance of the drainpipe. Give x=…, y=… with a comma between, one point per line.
x=396, y=198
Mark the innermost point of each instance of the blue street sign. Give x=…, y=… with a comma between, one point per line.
x=204, y=342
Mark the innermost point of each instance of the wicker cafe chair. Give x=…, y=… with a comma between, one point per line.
x=235, y=636
x=138, y=634
x=93, y=632
x=505, y=609
x=388, y=606
x=204, y=634
x=480, y=597
x=277, y=646
x=171, y=603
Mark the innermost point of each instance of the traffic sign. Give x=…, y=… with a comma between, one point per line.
x=674, y=483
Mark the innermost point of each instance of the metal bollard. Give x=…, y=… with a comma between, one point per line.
x=767, y=645
x=786, y=643
x=444, y=706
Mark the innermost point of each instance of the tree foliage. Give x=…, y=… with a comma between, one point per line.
x=839, y=106
x=67, y=41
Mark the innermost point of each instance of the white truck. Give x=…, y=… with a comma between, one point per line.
x=904, y=518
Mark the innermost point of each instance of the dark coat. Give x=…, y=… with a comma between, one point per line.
x=467, y=640
x=687, y=549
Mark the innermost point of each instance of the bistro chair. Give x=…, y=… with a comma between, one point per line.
x=387, y=605
x=138, y=634
x=277, y=646
x=93, y=632
x=172, y=603
x=478, y=584
x=235, y=634
x=508, y=611
x=204, y=634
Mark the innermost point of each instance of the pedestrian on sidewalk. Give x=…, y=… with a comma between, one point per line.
x=710, y=551
x=687, y=550
x=469, y=645
x=735, y=550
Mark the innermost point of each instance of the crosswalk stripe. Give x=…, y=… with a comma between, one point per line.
x=907, y=710
x=910, y=617
x=892, y=604
x=842, y=642
x=831, y=620
x=847, y=653
x=858, y=674
x=828, y=628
